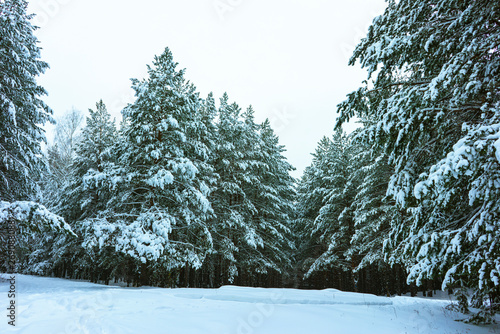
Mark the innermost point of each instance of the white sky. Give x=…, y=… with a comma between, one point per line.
x=288, y=58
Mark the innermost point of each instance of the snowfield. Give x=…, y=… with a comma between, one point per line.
x=56, y=306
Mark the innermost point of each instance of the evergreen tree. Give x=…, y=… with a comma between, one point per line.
x=275, y=195
x=201, y=133
x=84, y=196
x=235, y=234
x=23, y=225
x=373, y=213
x=161, y=203
x=333, y=226
x=60, y=158
x=268, y=191
x=22, y=110
x=436, y=66
x=344, y=216
x=253, y=199
x=22, y=113
x=311, y=191
x=373, y=210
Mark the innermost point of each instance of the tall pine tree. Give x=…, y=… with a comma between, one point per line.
x=161, y=200
x=435, y=65
x=22, y=111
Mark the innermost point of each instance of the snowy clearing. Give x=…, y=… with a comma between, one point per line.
x=50, y=305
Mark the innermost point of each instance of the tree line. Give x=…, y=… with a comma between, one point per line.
x=185, y=193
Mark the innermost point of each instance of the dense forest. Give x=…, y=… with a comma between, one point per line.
x=191, y=191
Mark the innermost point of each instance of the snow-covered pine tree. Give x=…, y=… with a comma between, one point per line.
x=374, y=212
x=201, y=133
x=85, y=198
x=270, y=189
x=27, y=223
x=160, y=203
x=59, y=158
x=333, y=226
x=252, y=201
x=231, y=206
x=436, y=65
x=277, y=195
x=353, y=256
x=22, y=111
x=311, y=191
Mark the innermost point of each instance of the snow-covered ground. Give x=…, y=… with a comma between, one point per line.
x=56, y=306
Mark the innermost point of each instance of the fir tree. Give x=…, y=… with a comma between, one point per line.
x=86, y=195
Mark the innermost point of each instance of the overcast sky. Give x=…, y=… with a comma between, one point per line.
x=287, y=58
